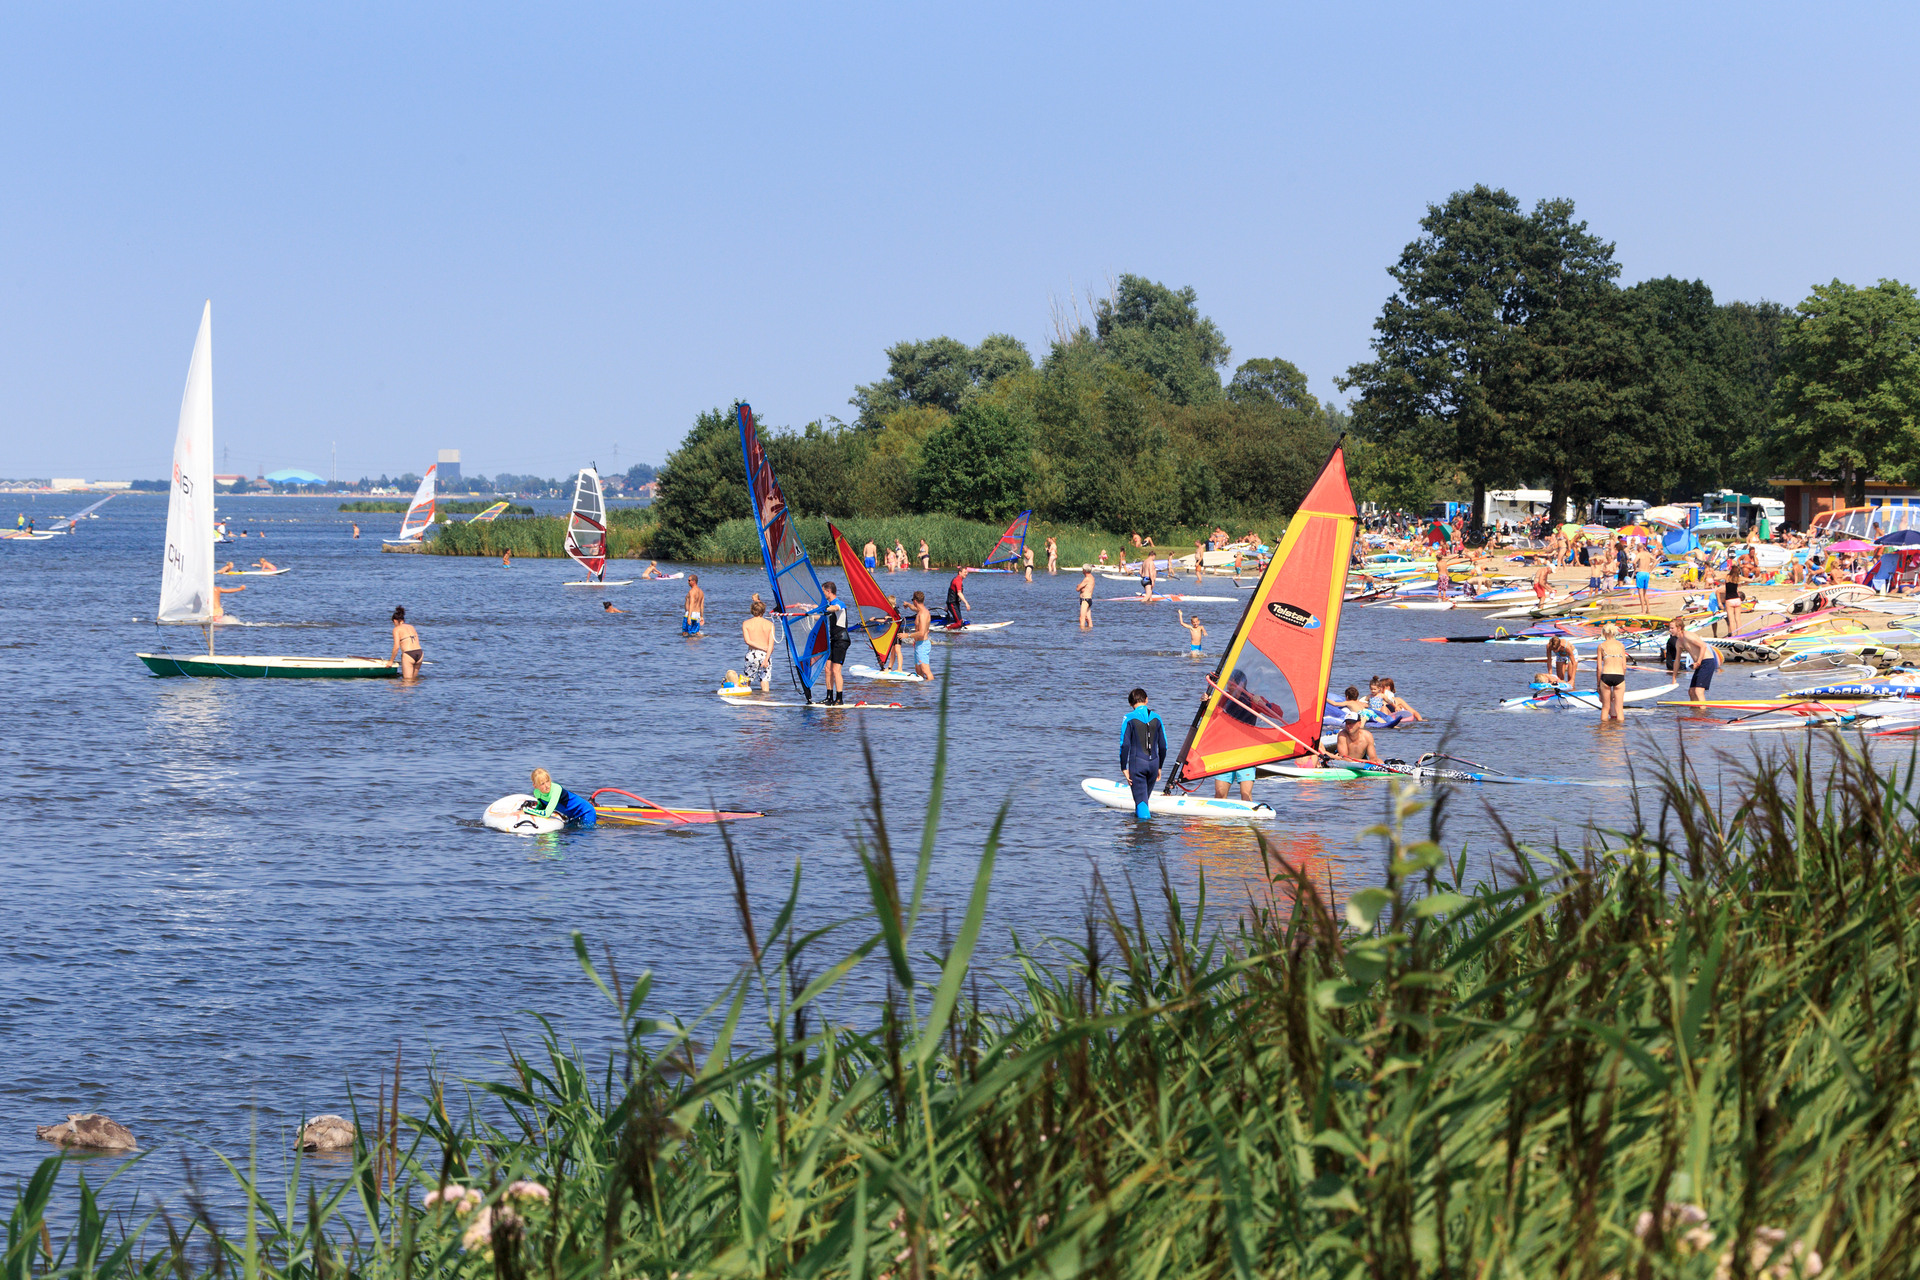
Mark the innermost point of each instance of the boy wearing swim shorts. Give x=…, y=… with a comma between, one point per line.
x=922, y=637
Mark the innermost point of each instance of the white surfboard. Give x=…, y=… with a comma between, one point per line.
x=1116, y=795
x=1157, y=597
x=505, y=814
x=623, y=582
x=940, y=630
x=762, y=700
x=865, y=672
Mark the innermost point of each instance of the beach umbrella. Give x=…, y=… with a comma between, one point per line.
x=1901, y=538
x=1851, y=544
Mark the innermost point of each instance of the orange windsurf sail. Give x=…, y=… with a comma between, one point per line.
x=878, y=617
x=1266, y=699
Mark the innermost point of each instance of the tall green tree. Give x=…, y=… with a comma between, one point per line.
x=1848, y=393
x=1268, y=381
x=1160, y=332
x=703, y=483
x=978, y=466
x=939, y=373
x=1437, y=386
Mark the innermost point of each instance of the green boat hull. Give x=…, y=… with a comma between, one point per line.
x=273, y=667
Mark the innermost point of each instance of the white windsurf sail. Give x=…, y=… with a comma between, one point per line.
x=72, y=522
x=587, y=524
x=187, y=592
x=420, y=515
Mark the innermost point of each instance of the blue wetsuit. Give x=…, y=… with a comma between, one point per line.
x=568, y=807
x=1143, y=749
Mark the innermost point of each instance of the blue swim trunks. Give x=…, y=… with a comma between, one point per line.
x=923, y=653
x=869, y=562
x=1240, y=775
x=1640, y=581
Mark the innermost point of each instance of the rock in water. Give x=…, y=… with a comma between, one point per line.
x=326, y=1133
x=93, y=1132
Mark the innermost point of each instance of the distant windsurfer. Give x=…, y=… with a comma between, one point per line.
x=694, y=610
x=922, y=637
x=757, y=631
x=551, y=800
x=1143, y=749
x=406, y=645
x=957, y=601
x=836, y=642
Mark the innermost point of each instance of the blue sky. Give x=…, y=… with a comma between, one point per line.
x=540, y=233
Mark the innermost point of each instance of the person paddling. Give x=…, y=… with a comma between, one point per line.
x=551, y=800
x=1143, y=749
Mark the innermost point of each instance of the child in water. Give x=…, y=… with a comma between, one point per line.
x=1197, y=632
x=551, y=800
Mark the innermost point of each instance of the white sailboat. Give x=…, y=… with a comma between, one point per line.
x=188, y=594
x=587, y=531
x=419, y=517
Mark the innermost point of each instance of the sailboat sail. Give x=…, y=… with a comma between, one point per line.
x=72, y=522
x=798, y=602
x=1266, y=699
x=587, y=525
x=187, y=591
x=1012, y=542
x=419, y=517
x=878, y=617
x=491, y=514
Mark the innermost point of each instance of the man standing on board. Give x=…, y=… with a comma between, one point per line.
x=957, y=598
x=1143, y=749
x=836, y=643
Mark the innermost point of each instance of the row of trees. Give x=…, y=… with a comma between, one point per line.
x=1508, y=355
x=1125, y=425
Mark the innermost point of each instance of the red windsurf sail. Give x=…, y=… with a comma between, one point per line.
x=877, y=616
x=1011, y=543
x=1266, y=699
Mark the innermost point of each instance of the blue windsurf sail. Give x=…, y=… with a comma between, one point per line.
x=798, y=603
x=1012, y=542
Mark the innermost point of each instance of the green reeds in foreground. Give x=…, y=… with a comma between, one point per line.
x=1690, y=1053
x=951, y=541
x=533, y=537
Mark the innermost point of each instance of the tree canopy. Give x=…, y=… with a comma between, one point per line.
x=1849, y=384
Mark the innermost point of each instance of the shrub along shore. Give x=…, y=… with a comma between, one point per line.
x=951, y=541
x=1688, y=1050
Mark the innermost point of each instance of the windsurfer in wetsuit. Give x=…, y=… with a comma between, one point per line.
x=957, y=599
x=1143, y=749
x=836, y=644
x=551, y=800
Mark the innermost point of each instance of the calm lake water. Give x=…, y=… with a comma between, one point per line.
x=233, y=897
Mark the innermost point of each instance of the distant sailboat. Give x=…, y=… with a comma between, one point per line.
x=587, y=531
x=491, y=514
x=188, y=595
x=419, y=517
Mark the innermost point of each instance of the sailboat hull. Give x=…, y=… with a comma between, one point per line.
x=267, y=667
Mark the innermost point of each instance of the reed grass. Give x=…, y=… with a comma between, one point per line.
x=1686, y=1051
x=443, y=507
x=532, y=537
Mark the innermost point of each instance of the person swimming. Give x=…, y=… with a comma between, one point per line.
x=551, y=800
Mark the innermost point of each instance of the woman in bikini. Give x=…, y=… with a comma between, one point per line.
x=406, y=645
x=1611, y=663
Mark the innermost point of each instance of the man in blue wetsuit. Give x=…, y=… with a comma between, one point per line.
x=1143, y=749
x=551, y=800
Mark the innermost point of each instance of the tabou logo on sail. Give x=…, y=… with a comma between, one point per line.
x=1293, y=615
